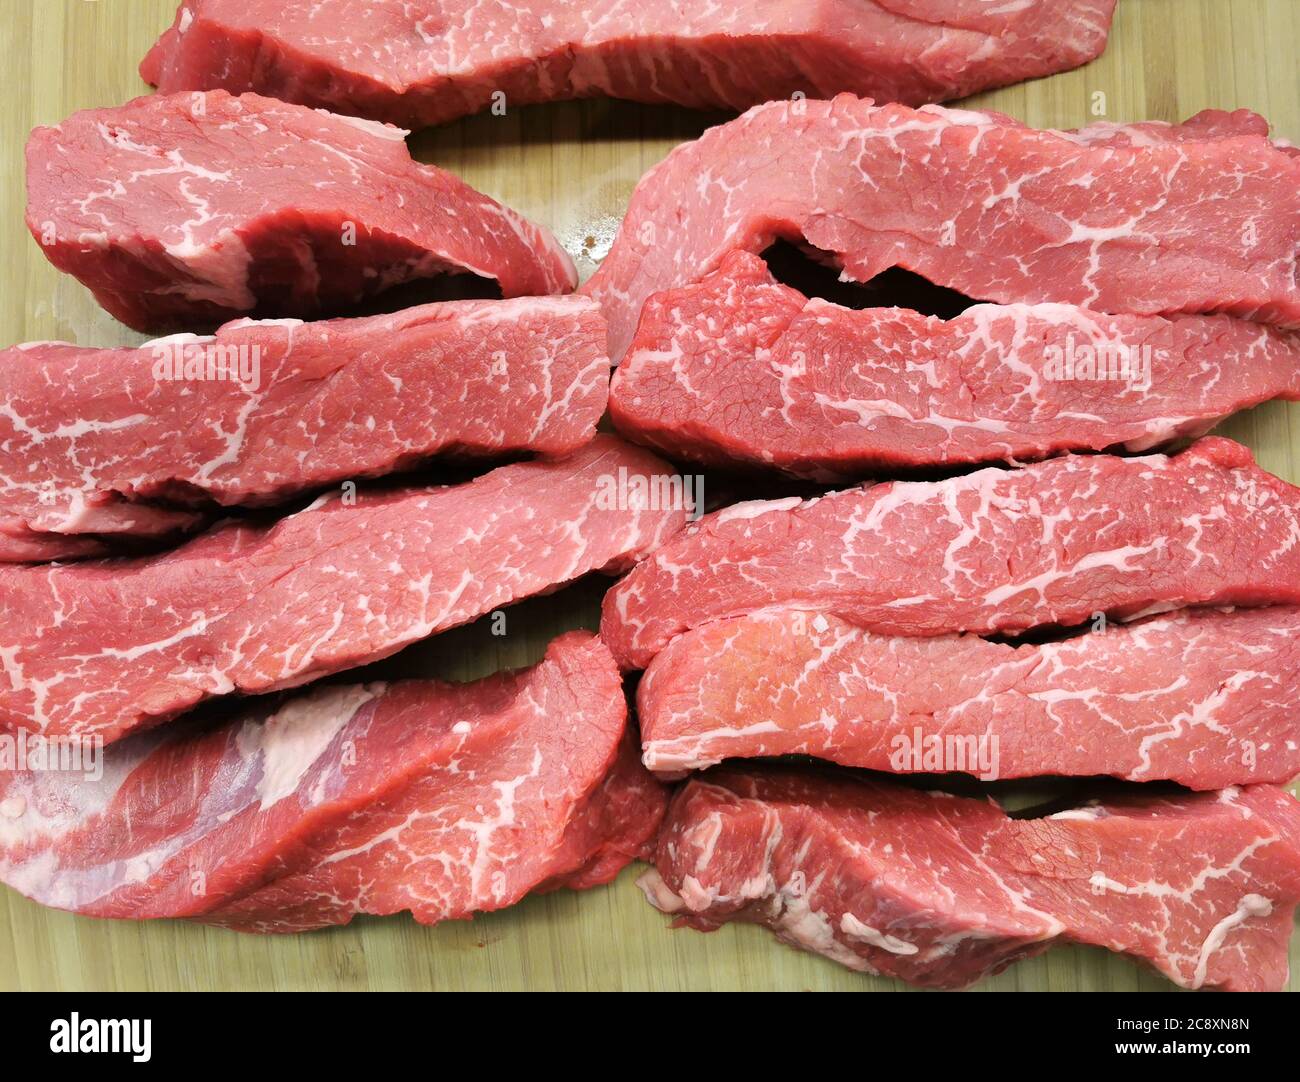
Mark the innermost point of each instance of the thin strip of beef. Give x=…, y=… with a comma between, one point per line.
x=1202, y=217
x=739, y=369
x=1202, y=697
x=991, y=551
x=441, y=799
x=103, y=647
x=941, y=890
x=137, y=440
x=428, y=61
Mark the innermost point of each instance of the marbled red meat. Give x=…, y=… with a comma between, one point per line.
x=186, y=210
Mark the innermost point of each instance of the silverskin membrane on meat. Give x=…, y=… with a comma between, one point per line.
x=347, y=800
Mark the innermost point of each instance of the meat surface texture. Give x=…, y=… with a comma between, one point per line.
x=739, y=369
x=430, y=61
x=106, y=646
x=991, y=551
x=1198, y=218
x=941, y=891
x=1205, y=698
x=285, y=407
x=441, y=799
x=190, y=209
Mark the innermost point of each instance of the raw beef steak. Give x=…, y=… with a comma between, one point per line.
x=106, y=646
x=429, y=61
x=1199, y=218
x=991, y=551
x=740, y=369
x=441, y=799
x=138, y=440
x=1205, y=698
x=195, y=208
x=941, y=890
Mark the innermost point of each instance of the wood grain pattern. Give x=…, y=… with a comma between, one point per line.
x=571, y=166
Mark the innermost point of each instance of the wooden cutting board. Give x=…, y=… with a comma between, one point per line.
x=573, y=167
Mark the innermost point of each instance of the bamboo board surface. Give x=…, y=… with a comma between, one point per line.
x=571, y=166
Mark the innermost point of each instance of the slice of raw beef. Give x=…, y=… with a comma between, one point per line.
x=427, y=61
x=992, y=551
x=941, y=890
x=137, y=440
x=192, y=209
x=106, y=646
x=1202, y=697
x=1202, y=218
x=739, y=369
x=441, y=799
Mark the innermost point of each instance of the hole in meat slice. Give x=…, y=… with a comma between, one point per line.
x=1043, y=633
x=1020, y=798
x=814, y=274
x=446, y=287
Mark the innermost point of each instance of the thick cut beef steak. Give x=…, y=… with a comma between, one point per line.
x=991, y=551
x=740, y=369
x=941, y=890
x=441, y=799
x=1201, y=217
x=190, y=209
x=1205, y=698
x=106, y=646
x=419, y=62
x=137, y=441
